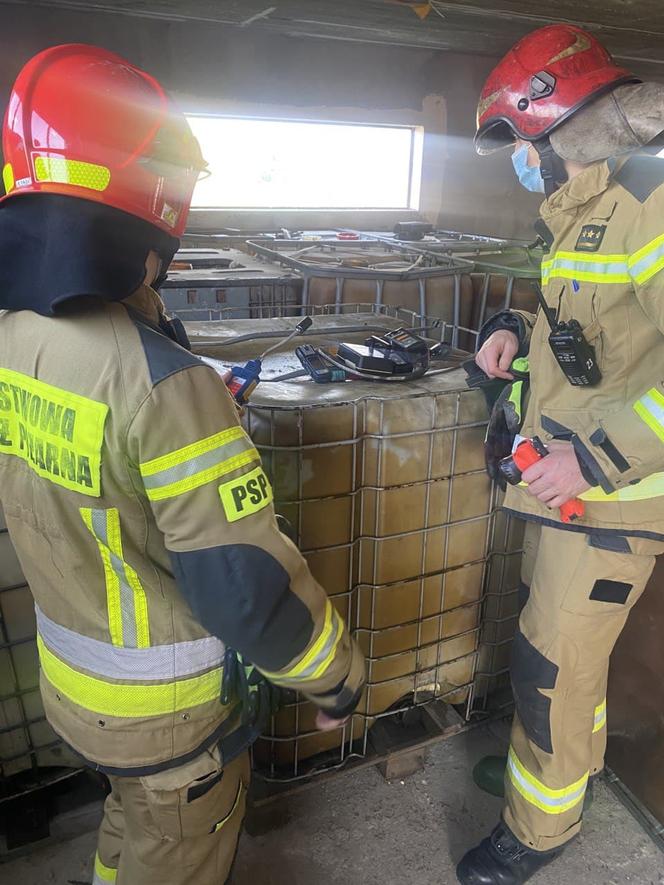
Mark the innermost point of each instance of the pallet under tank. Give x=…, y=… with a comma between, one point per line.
x=385, y=490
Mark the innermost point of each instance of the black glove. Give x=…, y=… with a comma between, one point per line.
x=477, y=379
x=259, y=698
x=505, y=422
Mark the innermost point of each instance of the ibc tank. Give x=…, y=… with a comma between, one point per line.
x=384, y=487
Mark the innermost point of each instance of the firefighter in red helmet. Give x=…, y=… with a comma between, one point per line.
x=168, y=603
x=586, y=133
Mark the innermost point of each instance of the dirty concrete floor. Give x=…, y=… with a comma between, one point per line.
x=361, y=830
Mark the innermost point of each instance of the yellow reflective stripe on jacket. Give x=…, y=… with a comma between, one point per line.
x=319, y=657
x=638, y=267
x=594, y=268
x=102, y=873
x=650, y=409
x=600, y=717
x=125, y=597
x=538, y=794
x=58, y=434
x=648, y=261
x=197, y=464
x=127, y=700
x=650, y=487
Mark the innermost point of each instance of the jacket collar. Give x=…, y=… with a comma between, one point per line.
x=590, y=183
x=146, y=302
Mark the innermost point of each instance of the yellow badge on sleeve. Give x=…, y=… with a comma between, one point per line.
x=246, y=495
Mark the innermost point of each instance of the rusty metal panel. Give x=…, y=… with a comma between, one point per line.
x=636, y=699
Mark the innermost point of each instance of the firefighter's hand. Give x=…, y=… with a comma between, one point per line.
x=326, y=723
x=226, y=377
x=557, y=478
x=496, y=354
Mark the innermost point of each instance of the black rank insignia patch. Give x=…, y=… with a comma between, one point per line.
x=590, y=238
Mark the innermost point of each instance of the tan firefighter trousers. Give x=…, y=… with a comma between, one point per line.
x=581, y=591
x=178, y=827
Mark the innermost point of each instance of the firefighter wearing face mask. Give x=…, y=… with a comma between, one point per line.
x=167, y=600
x=586, y=134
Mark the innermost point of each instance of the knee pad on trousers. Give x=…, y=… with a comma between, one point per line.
x=530, y=672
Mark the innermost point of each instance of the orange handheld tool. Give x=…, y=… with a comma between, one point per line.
x=527, y=453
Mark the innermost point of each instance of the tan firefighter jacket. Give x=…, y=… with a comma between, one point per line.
x=605, y=269
x=144, y=523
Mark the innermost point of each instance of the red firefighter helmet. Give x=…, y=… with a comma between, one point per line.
x=83, y=122
x=545, y=78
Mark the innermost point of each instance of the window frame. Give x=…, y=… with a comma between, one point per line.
x=415, y=171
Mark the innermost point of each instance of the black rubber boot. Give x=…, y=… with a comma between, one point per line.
x=502, y=860
x=489, y=775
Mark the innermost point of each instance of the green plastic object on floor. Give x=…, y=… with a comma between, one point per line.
x=489, y=775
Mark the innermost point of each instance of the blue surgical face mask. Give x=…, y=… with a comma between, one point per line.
x=529, y=176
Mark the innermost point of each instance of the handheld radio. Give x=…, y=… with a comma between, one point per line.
x=574, y=355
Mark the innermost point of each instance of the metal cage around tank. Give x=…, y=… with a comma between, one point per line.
x=418, y=561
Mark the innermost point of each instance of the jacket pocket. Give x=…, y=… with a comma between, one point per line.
x=594, y=335
x=201, y=807
x=555, y=429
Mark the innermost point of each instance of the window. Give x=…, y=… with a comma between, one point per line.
x=285, y=164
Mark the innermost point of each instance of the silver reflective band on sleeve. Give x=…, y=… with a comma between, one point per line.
x=319, y=657
x=648, y=261
x=197, y=464
x=159, y=662
x=190, y=468
x=650, y=409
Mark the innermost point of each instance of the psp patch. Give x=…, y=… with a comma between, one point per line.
x=590, y=238
x=246, y=495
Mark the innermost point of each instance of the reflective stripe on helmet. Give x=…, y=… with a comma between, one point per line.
x=74, y=172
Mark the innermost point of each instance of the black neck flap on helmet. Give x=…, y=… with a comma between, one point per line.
x=56, y=249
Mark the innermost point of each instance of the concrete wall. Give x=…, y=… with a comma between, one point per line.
x=212, y=68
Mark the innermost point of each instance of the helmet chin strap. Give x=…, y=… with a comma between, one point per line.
x=552, y=166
